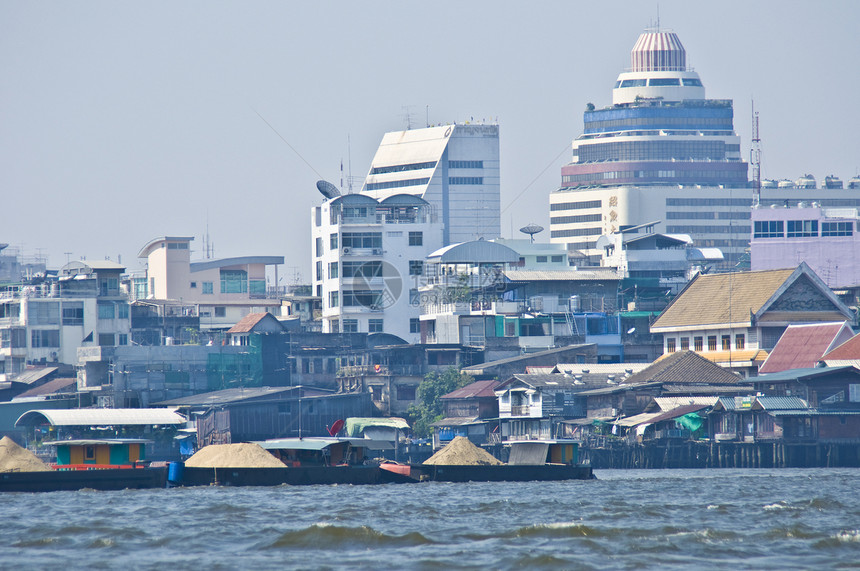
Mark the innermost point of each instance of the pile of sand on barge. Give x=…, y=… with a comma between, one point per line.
x=461, y=452
x=233, y=456
x=13, y=458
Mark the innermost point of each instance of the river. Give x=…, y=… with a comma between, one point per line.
x=631, y=519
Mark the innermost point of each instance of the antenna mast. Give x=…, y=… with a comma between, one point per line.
x=755, y=157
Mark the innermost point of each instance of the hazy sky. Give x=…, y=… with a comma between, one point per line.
x=124, y=121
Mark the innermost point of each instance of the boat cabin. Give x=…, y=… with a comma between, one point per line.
x=99, y=453
x=324, y=451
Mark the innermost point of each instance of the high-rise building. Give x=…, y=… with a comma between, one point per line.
x=663, y=153
x=455, y=168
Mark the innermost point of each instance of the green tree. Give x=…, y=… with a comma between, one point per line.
x=430, y=407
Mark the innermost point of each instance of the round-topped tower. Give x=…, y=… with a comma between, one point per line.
x=658, y=70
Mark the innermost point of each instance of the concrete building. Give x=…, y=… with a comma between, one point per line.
x=47, y=322
x=827, y=239
x=221, y=291
x=664, y=152
x=455, y=168
x=368, y=262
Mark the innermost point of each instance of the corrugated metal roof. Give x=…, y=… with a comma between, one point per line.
x=237, y=261
x=477, y=389
x=49, y=388
x=319, y=443
x=102, y=417
x=32, y=376
x=475, y=252
x=459, y=421
x=802, y=374
x=228, y=396
x=561, y=275
x=779, y=403
x=670, y=403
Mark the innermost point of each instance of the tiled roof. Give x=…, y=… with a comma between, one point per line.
x=247, y=323
x=722, y=298
x=478, y=389
x=848, y=351
x=681, y=368
x=801, y=346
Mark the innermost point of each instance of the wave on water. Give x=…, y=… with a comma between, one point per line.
x=339, y=537
x=780, y=505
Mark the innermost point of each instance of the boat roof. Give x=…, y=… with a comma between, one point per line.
x=320, y=443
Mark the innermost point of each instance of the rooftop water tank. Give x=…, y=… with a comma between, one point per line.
x=832, y=181
x=785, y=183
x=806, y=181
x=768, y=183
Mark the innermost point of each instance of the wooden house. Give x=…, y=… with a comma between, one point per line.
x=101, y=453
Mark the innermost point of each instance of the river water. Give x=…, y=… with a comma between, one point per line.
x=630, y=519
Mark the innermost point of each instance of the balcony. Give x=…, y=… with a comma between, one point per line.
x=520, y=410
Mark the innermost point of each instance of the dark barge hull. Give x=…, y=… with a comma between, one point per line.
x=110, y=479
x=293, y=476
x=504, y=473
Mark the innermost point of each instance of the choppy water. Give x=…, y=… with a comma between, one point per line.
x=730, y=519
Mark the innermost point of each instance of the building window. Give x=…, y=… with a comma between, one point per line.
x=416, y=238
x=697, y=344
x=319, y=272
x=318, y=247
x=414, y=325
x=193, y=285
x=350, y=325
x=414, y=297
x=207, y=287
x=334, y=326
x=768, y=229
x=107, y=339
x=362, y=239
x=712, y=342
x=557, y=259
x=837, y=228
x=726, y=342
x=122, y=310
x=685, y=343
x=416, y=267
x=44, y=313
x=122, y=339
x=73, y=313
x=333, y=270
x=739, y=341
x=362, y=298
x=332, y=299
x=44, y=338
x=670, y=345
x=367, y=270
x=234, y=281
x=541, y=259
x=374, y=326
x=465, y=164
x=465, y=180
x=332, y=241
x=107, y=311
x=802, y=228
x=220, y=311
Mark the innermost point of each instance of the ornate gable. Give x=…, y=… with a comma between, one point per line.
x=803, y=295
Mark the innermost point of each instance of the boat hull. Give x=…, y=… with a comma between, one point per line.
x=502, y=473
x=293, y=476
x=109, y=479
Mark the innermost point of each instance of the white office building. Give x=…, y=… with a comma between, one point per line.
x=368, y=262
x=455, y=168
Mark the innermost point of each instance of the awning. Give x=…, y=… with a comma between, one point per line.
x=355, y=425
x=637, y=419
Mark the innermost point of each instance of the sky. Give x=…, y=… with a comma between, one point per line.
x=124, y=121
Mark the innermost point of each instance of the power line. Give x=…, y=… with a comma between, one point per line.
x=534, y=180
x=289, y=145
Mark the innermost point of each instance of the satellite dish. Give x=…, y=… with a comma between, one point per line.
x=531, y=230
x=329, y=190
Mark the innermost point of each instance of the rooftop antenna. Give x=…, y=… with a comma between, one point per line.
x=531, y=230
x=349, y=161
x=755, y=157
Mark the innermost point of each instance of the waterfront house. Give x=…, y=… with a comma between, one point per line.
x=99, y=453
x=471, y=411
x=732, y=318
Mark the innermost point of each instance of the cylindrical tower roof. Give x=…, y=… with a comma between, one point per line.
x=658, y=51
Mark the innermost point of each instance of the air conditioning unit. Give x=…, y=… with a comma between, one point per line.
x=377, y=251
x=347, y=250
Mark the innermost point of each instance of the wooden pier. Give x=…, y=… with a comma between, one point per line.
x=691, y=454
